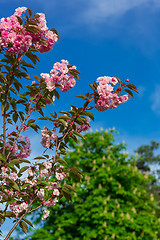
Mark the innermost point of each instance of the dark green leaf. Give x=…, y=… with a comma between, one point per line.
x=24, y=226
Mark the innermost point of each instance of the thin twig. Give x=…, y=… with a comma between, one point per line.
x=35, y=208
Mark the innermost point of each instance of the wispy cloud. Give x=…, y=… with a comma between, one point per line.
x=132, y=21
x=100, y=11
x=155, y=98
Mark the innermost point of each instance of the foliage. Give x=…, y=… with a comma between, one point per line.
x=111, y=201
x=149, y=162
x=147, y=156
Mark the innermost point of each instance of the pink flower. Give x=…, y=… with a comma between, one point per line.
x=47, y=164
x=45, y=214
x=40, y=193
x=60, y=176
x=56, y=192
x=19, y=11
x=43, y=173
x=30, y=172
x=50, y=202
x=60, y=75
x=106, y=97
x=13, y=176
x=18, y=208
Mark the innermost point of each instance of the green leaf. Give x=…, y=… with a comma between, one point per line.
x=129, y=92
x=81, y=96
x=25, y=75
x=31, y=121
x=23, y=169
x=15, y=117
x=27, y=221
x=56, y=94
x=32, y=57
x=19, y=20
x=12, y=89
x=30, y=12
x=33, y=29
x=40, y=157
x=15, y=161
x=69, y=187
x=89, y=114
x=63, y=122
x=15, y=186
x=78, y=134
x=133, y=87
x=61, y=161
x=24, y=63
x=44, y=118
x=35, y=127
x=37, y=78
x=9, y=214
x=3, y=157
x=24, y=226
x=64, y=117
x=36, y=16
x=67, y=194
x=64, y=112
x=2, y=77
x=2, y=107
x=21, y=115
x=93, y=86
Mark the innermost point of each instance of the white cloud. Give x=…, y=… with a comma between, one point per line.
x=98, y=11
x=155, y=98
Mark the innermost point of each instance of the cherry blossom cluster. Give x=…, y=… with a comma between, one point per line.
x=5, y=173
x=17, y=208
x=45, y=214
x=60, y=75
x=83, y=127
x=47, y=137
x=107, y=96
x=25, y=152
x=34, y=175
x=14, y=37
x=53, y=187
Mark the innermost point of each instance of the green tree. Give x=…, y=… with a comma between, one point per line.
x=111, y=202
x=147, y=156
x=149, y=162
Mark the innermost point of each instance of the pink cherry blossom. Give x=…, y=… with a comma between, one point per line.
x=107, y=97
x=59, y=75
x=45, y=214
x=47, y=164
x=13, y=176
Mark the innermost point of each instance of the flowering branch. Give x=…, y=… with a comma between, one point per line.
x=21, y=36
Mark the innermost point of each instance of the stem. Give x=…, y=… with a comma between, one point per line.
x=35, y=208
x=13, y=228
x=57, y=147
x=42, y=155
x=4, y=118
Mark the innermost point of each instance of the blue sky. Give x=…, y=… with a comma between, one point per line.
x=107, y=37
